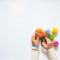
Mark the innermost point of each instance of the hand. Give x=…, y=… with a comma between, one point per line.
x=47, y=45
x=36, y=41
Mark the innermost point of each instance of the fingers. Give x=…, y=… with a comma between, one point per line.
x=48, y=40
x=37, y=38
x=33, y=37
x=44, y=45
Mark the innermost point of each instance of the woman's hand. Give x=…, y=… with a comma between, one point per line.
x=47, y=45
x=36, y=41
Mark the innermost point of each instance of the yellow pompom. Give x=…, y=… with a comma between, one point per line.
x=55, y=30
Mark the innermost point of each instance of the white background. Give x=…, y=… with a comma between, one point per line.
x=18, y=21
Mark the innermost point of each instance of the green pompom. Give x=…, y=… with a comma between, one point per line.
x=51, y=37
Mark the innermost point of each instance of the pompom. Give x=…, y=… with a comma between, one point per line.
x=51, y=37
x=55, y=30
x=41, y=32
x=48, y=31
x=56, y=43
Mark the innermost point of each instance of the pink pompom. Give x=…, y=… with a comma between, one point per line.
x=56, y=43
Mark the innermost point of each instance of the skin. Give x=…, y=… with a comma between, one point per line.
x=37, y=41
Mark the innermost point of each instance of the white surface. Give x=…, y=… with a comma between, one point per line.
x=18, y=21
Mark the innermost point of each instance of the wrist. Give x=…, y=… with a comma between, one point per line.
x=36, y=48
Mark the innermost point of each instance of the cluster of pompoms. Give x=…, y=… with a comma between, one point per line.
x=51, y=34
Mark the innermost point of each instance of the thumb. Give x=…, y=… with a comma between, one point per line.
x=37, y=38
x=44, y=45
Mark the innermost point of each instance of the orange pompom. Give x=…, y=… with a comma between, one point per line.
x=41, y=32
